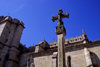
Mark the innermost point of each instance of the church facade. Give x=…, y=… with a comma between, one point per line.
x=79, y=51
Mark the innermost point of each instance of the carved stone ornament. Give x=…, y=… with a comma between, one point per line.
x=60, y=29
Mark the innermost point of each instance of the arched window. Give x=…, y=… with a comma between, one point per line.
x=68, y=61
x=94, y=59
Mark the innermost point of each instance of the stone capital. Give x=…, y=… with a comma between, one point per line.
x=60, y=30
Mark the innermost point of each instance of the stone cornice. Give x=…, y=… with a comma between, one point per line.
x=11, y=20
x=67, y=47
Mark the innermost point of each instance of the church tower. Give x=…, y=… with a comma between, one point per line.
x=10, y=34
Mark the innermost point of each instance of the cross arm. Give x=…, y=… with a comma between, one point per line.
x=65, y=15
x=54, y=18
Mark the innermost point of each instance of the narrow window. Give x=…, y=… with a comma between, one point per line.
x=94, y=59
x=68, y=61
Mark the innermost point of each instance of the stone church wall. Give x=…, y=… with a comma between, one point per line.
x=95, y=54
x=1, y=47
x=23, y=60
x=38, y=60
x=43, y=61
x=77, y=57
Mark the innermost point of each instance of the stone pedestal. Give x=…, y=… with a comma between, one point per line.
x=61, y=49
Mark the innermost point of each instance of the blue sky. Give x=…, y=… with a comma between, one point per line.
x=36, y=15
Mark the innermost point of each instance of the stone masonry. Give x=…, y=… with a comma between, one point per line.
x=79, y=51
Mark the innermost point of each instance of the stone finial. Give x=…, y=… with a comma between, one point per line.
x=83, y=32
x=84, y=37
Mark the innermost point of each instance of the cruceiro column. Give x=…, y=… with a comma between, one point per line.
x=61, y=32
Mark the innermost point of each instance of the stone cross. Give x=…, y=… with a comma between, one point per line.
x=61, y=32
x=60, y=28
x=60, y=16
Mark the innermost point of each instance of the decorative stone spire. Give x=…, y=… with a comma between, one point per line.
x=83, y=32
x=84, y=37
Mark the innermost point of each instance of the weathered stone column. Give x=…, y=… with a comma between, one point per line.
x=88, y=58
x=61, y=51
x=61, y=32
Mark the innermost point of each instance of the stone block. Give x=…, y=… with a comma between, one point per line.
x=3, y=55
x=17, y=36
x=11, y=34
x=38, y=49
x=11, y=64
x=43, y=61
x=15, y=21
x=13, y=54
